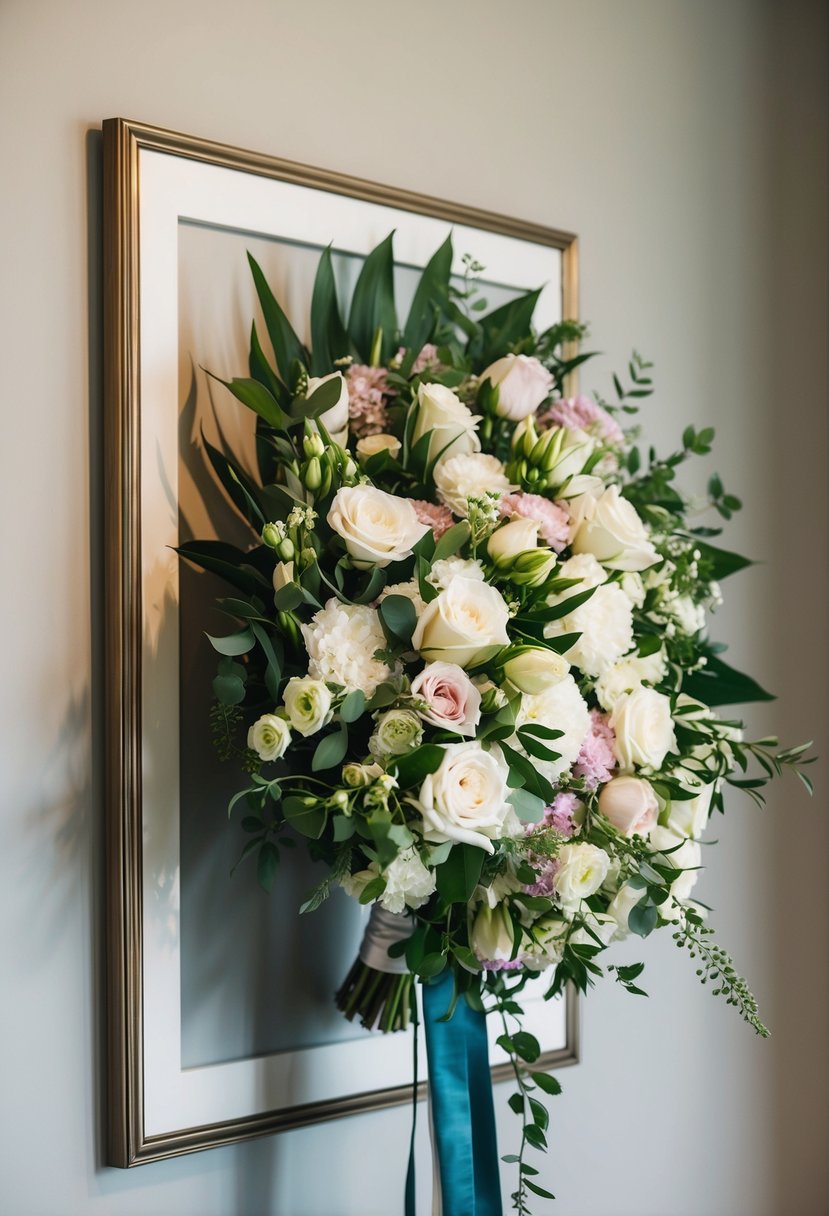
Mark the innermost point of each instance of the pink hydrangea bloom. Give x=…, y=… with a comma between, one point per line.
x=553, y=521
x=596, y=761
x=367, y=389
x=586, y=414
x=438, y=517
x=559, y=814
x=427, y=360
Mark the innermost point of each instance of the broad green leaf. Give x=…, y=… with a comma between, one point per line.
x=546, y=1083
x=451, y=541
x=528, y=807
x=458, y=877
x=720, y=562
x=225, y=560
x=430, y=299
x=286, y=345
x=526, y=1046
x=257, y=398
x=353, y=705
x=504, y=326
x=308, y=820
x=267, y=863
x=372, y=305
x=233, y=643
x=718, y=684
x=329, y=340
x=642, y=919
x=261, y=370
x=330, y=750
x=399, y=618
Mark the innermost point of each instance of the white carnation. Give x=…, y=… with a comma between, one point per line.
x=469, y=475
x=628, y=674
x=560, y=707
x=409, y=883
x=604, y=621
x=341, y=640
x=448, y=568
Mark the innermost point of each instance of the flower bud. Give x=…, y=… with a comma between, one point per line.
x=272, y=534
x=535, y=669
x=313, y=474
x=286, y=549
x=312, y=444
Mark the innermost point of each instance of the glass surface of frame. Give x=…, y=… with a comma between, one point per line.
x=179, y=215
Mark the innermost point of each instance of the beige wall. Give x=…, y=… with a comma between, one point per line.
x=686, y=143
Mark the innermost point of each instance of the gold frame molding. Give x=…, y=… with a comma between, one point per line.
x=123, y=139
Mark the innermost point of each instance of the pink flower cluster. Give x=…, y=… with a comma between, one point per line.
x=367, y=388
x=596, y=760
x=553, y=521
x=559, y=814
x=438, y=517
x=585, y=414
x=545, y=882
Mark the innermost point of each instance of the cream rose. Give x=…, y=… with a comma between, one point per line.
x=269, y=737
x=308, y=704
x=630, y=804
x=454, y=703
x=466, y=799
x=612, y=531
x=582, y=870
x=370, y=445
x=464, y=624
x=523, y=383
x=644, y=729
x=469, y=475
x=334, y=420
x=377, y=528
x=535, y=669
x=451, y=425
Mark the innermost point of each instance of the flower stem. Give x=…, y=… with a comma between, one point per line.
x=377, y=998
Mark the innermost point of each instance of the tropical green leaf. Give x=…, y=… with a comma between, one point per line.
x=718, y=684
x=286, y=345
x=257, y=398
x=225, y=560
x=372, y=305
x=429, y=300
x=329, y=340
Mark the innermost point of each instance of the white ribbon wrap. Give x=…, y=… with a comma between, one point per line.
x=383, y=930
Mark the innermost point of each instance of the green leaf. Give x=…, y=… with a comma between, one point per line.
x=398, y=617
x=541, y=1116
x=526, y=1046
x=353, y=705
x=257, y=398
x=535, y=1137
x=261, y=370
x=642, y=919
x=372, y=305
x=240, y=489
x=430, y=298
x=546, y=1083
x=227, y=561
x=267, y=864
x=720, y=563
x=329, y=340
x=502, y=328
x=372, y=890
x=342, y=827
x=229, y=684
x=430, y=965
x=538, y=1190
x=528, y=807
x=412, y=768
x=273, y=671
x=233, y=643
x=308, y=820
x=330, y=750
x=516, y=1103
x=451, y=541
x=458, y=877
x=718, y=684
x=286, y=345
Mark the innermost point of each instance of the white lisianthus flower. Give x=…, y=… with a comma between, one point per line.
x=621, y=906
x=466, y=799
x=492, y=936
x=378, y=528
x=469, y=475
x=687, y=857
x=308, y=704
x=560, y=707
x=629, y=673
x=454, y=702
x=582, y=870
x=357, y=776
x=546, y=947
x=341, y=640
x=512, y=538
x=644, y=729
x=523, y=384
x=464, y=624
x=611, y=530
x=355, y=884
x=604, y=621
x=396, y=732
x=409, y=883
x=535, y=669
x=334, y=420
x=269, y=737
x=689, y=816
x=451, y=425
x=445, y=569
x=370, y=445
x=630, y=804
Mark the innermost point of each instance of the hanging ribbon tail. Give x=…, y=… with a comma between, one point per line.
x=463, y=1112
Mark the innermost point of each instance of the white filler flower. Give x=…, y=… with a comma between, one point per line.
x=341, y=640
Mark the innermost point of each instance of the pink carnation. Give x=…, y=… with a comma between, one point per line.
x=367, y=388
x=585, y=414
x=427, y=360
x=545, y=882
x=596, y=760
x=553, y=521
x=559, y=814
x=438, y=517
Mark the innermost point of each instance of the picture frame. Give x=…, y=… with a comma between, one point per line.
x=159, y=189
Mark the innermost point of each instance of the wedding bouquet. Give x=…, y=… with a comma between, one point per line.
x=471, y=664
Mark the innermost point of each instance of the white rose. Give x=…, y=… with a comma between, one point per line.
x=535, y=669
x=523, y=383
x=452, y=426
x=604, y=621
x=612, y=531
x=472, y=475
x=582, y=870
x=466, y=799
x=560, y=707
x=409, y=883
x=308, y=703
x=644, y=729
x=492, y=936
x=377, y=528
x=334, y=420
x=687, y=857
x=630, y=804
x=622, y=905
x=454, y=702
x=689, y=816
x=628, y=674
x=370, y=445
x=269, y=737
x=464, y=624
x=513, y=538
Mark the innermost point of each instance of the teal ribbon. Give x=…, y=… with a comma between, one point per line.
x=463, y=1112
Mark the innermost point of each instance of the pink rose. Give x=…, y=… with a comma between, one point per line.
x=453, y=700
x=630, y=804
